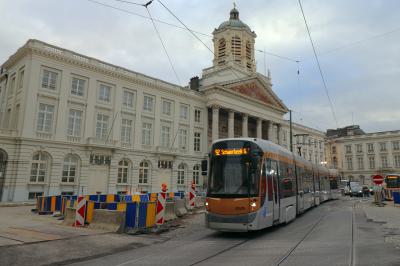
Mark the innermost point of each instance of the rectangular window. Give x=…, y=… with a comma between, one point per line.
x=49, y=79
x=148, y=103
x=359, y=148
x=128, y=99
x=102, y=126
x=333, y=149
x=126, y=130
x=396, y=145
x=146, y=133
x=349, y=163
x=12, y=85
x=360, y=162
x=383, y=146
x=197, y=116
x=197, y=141
x=45, y=118
x=348, y=148
x=371, y=162
x=165, y=135
x=104, y=93
x=78, y=87
x=397, y=161
x=183, y=139
x=184, y=112
x=34, y=195
x=74, y=123
x=21, y=79
x=384, y=162
x=370, y=147
x=166, y=108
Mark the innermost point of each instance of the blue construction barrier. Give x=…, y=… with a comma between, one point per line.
x=112, y=206
x=396, y=197
x=142, y=214
x=130, y=218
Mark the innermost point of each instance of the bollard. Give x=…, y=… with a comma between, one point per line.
x=161, y=205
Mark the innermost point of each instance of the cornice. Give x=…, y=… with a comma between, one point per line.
x=55, y=53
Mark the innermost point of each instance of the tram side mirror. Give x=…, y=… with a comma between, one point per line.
x=204, y=167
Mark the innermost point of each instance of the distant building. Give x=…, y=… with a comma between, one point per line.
x=72, y=124
x=359, y=155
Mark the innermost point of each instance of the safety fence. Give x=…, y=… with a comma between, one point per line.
x=139, y=209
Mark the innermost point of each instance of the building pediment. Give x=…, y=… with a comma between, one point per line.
x=257, y=89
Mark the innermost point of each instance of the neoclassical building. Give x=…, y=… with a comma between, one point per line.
x=359, y=155
x=72, y=124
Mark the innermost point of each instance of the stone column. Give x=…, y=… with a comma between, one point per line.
x=259, y=128
x=215, y=122
x=245, y=126
x=270, y=131
x=231, y=124
x=278, y=134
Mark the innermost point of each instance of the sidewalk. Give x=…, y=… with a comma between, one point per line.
x=389, y=214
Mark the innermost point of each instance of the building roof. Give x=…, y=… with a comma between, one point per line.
x=233, y=21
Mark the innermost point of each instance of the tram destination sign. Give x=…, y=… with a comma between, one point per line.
x=378, y=179
x=227, y=152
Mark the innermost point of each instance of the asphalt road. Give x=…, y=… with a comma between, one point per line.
x=335, y=233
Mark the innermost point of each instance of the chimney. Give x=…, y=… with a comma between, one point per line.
x=195, y=83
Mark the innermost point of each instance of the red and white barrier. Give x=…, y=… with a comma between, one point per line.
x=161, y=199
x=192, y=195
x=80, y=211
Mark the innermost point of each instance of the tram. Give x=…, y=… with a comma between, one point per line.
x=254, y=184
x=392, y=183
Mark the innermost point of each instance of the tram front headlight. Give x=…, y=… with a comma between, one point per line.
x=253, y=204
x=206, y=204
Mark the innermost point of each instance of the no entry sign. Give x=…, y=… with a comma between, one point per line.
x=378, y=179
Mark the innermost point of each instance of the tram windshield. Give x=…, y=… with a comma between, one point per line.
x=234, y=170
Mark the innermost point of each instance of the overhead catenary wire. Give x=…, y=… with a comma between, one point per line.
x=319, y=66
x=163, y=22
x=162, y=42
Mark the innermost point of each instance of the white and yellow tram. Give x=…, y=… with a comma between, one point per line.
x=254, y=184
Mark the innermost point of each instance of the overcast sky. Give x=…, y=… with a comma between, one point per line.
x=357, y=43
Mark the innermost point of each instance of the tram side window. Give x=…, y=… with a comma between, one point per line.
x=269, y=179
x=286, y=180
x=333, y=183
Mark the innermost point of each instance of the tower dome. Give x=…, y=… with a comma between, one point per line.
x=234, y=43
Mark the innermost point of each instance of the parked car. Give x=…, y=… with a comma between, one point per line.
x=356, y=190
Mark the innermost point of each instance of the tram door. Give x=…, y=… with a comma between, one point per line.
x=275, y=189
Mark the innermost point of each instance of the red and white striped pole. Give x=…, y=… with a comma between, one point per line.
x=80, y=211
x=192, y=195
x=161, y=199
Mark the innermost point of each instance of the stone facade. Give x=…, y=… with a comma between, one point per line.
x=360, y=156
x=74, y=124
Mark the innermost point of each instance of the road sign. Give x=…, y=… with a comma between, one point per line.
x=80, y=211
x=378, y=179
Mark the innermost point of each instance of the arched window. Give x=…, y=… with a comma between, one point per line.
x=196, y=174
x=70, y=169
x=236, y=46
x=221, y=48
x=144, y=172
x=123, y=167
x=39, y=168
x=181, y=174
